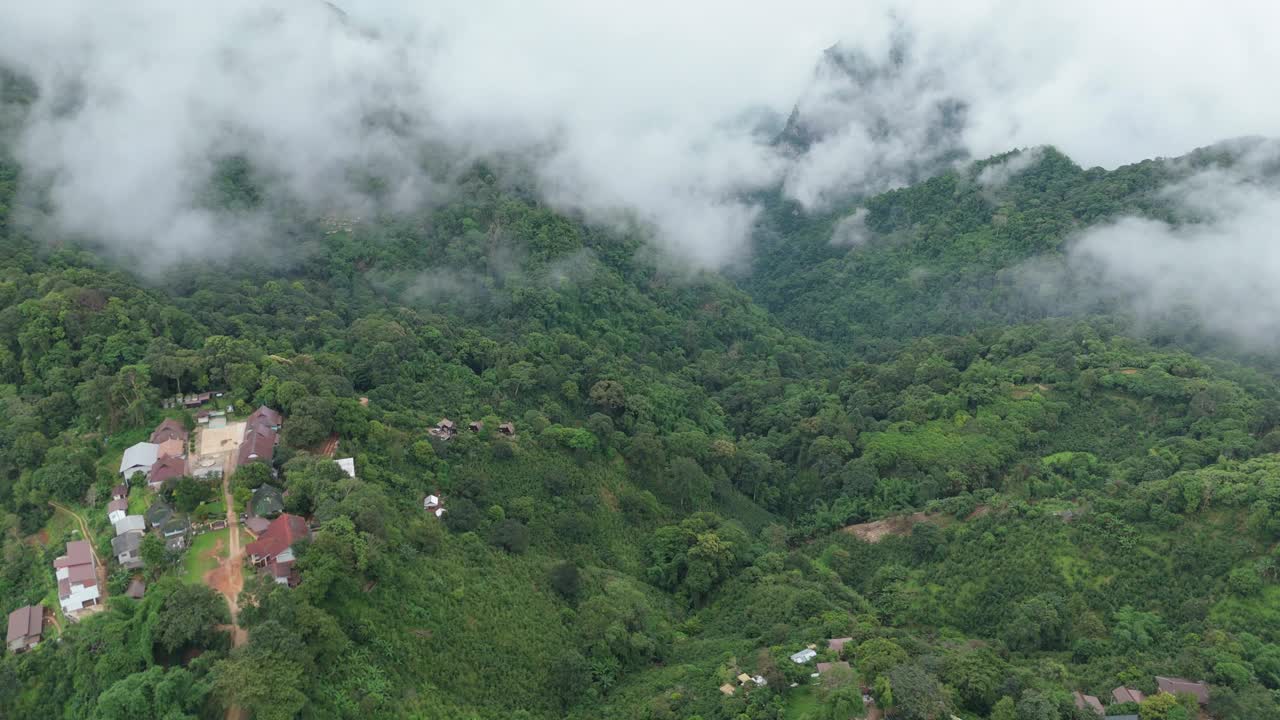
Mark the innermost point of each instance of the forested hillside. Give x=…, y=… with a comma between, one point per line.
x=995, y=501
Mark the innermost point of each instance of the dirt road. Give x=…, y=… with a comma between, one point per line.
x=234, y=578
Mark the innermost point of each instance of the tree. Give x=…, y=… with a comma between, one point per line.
x=566, y=580
x=188, y=493
x=188, y=618
x=876, y=657
x=608, y=396
x=62, y=480
x=917, y=695
x=155, y=556
x=510, y=535
x=1158, y=707
x=268, y=686
x=1004, y=709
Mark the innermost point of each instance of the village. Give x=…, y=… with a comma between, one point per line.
x=210, y=452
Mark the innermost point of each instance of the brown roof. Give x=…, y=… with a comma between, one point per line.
x=136, y=589
x=167, y=468
x=1173, y=686
x=445, y=423
x=257, y=525
x=173, y=447
x=265, y=415
x=279, y=536
x=25, y=622
x=507, y=428
x=121, y=504
x=79, y=552
x=1088, y=702
x=169, y=429
x=837, y=644
x=259, y=445
x=82, y=574
x=842, y=665
x=120, y=490
x=1123, y=695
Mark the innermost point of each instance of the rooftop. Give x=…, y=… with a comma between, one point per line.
x=24, y=622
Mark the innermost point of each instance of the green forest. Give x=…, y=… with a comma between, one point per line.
x=993, y=501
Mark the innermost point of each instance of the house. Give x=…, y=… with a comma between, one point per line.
x=476, y=426
x=169, y=430
x=1088, y=702
x=364, y=402
x=139, y=459
x=824, y=667
x=136, y=590
x=120, y=492
x=743, y=678
x=433, y=505
x=265, y=417
x=25, y=627
x=258, y=445
x=164, y=470
x=348, y=466
x=727, y=689
x=507, y=429
x=1123, y=694
x=837, y=644
x=130, y=523
x=804, y=656
x=1174, y=686
x=116, y=510
x=77, y=574
x=127, y=548
x=174, y=531
x=444, y=429
x=273, y=550
x=267, y=501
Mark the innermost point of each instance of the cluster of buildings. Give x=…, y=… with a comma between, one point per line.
x=1123, y=695
x=161, y=459
x=127, y=544
x=446, y=429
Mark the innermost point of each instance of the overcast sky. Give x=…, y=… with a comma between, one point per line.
x=648, y=109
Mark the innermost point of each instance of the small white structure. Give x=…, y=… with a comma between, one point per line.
x=804, y=656
x=348, y=466
x=139, y=459
x=116, y=510
x=130, y=523
x=759, y=680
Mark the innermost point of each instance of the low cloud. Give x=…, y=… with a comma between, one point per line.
x=1215, y=269
x=660, y=113
x=995, y=176
x=851, y=230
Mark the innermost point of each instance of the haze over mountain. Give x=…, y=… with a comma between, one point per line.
x=542, y=361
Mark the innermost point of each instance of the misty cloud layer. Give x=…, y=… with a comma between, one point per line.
x=1217, y=268
x=661, y=112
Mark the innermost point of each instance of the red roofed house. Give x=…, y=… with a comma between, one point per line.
x=25, y=626
x=77, y=573
x=273, y=550
x=837, y=644
x=170, y=429
x=1173, y=686
x=825, y=667
x=1126, y=695
x=166, y=469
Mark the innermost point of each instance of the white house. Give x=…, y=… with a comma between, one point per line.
x=116, y=510
x=77, y=574
x=804, y=656
x=348, y=466
x=139, y=459
x=130, y=523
